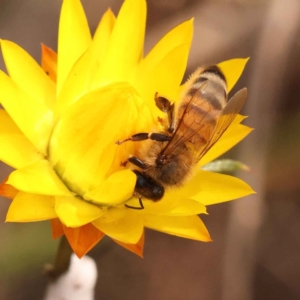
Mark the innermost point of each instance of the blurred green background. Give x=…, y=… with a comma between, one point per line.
x=255, y=253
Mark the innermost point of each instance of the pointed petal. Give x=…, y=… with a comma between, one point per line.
x=16, y=150
x=163, y=68
x=95, y=127
x=33, y=117
x=108, y=194
x=230, y=138
x=57, y=228
x=233, y=70
x=125, y=45
x=165, y=77
x=137, y=248
x=124, y=225
x=38, y=178
x=83, y=239
x=75, y=212
x=73, y=39
x=49, y=62
x=7, y=190
x=80, y=78
x=172, y=204
x=238, y=119
x=30, y=208
x=172, y=65
x=27, y=74
x=78, y=82
x=178, y=36
x=103, y=33
x=187, y=227
x=212, y=188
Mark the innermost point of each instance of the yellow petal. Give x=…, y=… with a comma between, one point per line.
x=124, y=225
x=212, y=188
x=163, y=68
x=27, y=74
x=172, y=204
x=187, y=227
x=172, y=66
x=95, y=126
x=238, y=119
x=178, y=36
x=179, y=206
x=74, y=212
x=230, y=138
x=15, y=149
x=30, y=115
x=38, y=178
x=233, y=70
x=103, y=33
x=125, y=45
x=165, y=77
x=81, y=76
x=28, y=207
x=108, y=194
x=73, y=39
x=78, y=81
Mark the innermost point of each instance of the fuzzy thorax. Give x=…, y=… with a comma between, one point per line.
x=174, y=170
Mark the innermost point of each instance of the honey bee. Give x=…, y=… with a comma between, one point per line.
x=192, y=127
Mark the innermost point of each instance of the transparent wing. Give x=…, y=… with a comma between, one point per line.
x=228, y=114
x=196, y=122
x=201, y=124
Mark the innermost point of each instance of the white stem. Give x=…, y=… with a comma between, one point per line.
x=77, y=283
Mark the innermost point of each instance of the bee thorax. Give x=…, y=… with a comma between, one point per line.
x=173, y=171
x=160, y=159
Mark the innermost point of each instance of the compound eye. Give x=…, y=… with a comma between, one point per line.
x=158, y=193
x=147, y=187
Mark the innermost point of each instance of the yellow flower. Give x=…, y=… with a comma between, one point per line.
x=61, y=121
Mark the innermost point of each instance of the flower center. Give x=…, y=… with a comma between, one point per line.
x=83, y=149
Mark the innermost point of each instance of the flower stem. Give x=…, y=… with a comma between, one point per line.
x=62, y=260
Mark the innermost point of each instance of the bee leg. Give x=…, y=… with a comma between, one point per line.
x=162, y=103
x=141, y=203
x=160, y=137
x=134, y=207
x=171, y=116
x=123, y=163
x=137, y=162
x=165, y=105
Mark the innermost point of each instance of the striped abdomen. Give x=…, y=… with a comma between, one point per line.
x=203, y=100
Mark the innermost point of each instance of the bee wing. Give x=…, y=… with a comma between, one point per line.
x=196, y=122
x=228, y=114
x=204, y=128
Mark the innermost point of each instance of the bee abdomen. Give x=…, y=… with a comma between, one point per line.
x=198, y=121
x=195, y=113
x=203, y=101
x=214, y=70
x=209, y=84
